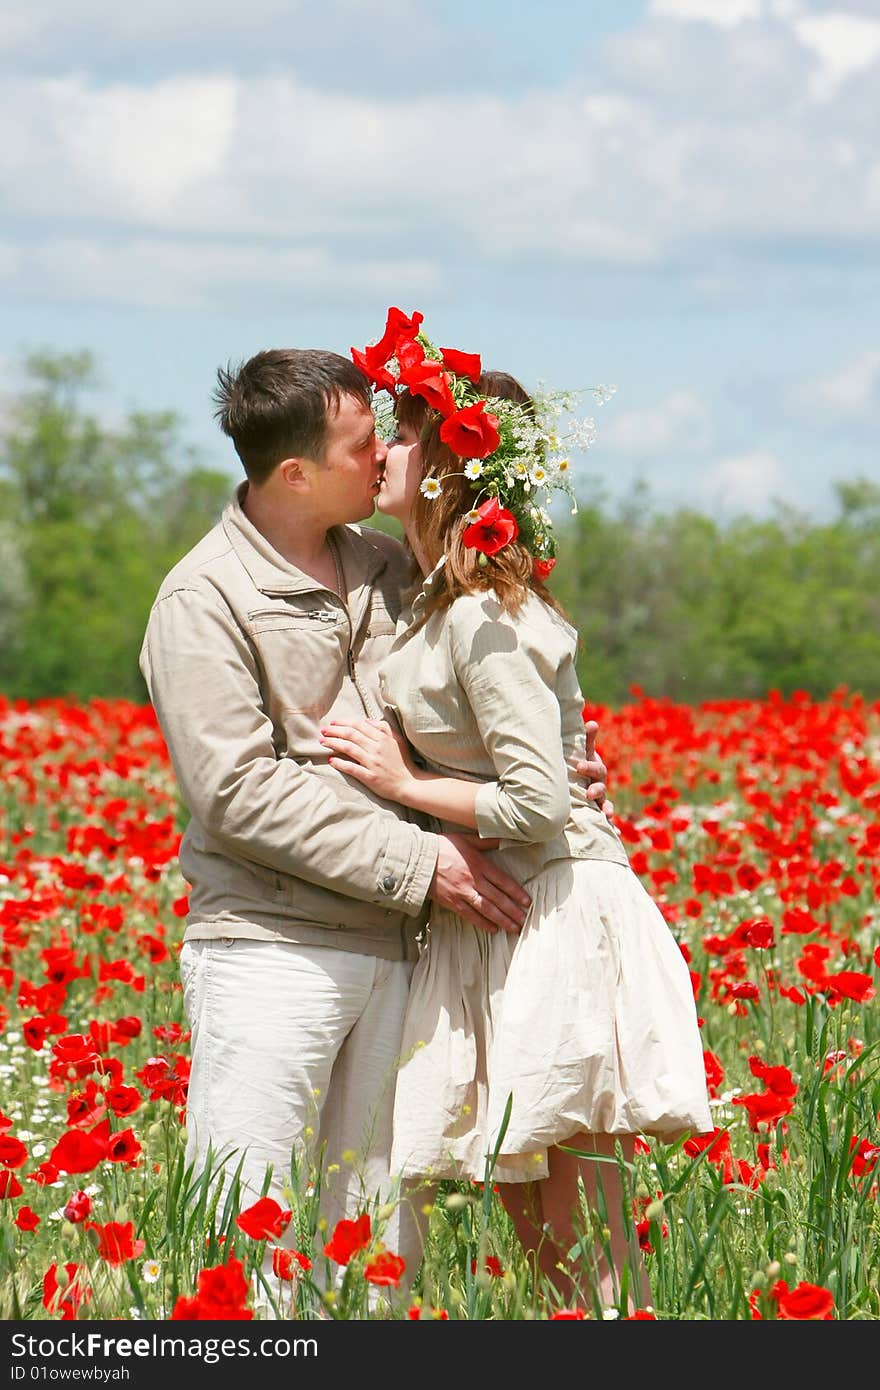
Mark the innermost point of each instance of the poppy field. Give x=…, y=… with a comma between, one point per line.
x=756, y=827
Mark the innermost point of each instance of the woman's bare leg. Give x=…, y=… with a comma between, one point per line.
x=522, y=1202
x=560, y=1204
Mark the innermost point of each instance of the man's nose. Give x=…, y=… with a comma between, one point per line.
x=381, y=450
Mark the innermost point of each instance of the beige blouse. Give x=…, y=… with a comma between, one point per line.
x=494, y=698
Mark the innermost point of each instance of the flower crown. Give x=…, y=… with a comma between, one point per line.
x=512, y=453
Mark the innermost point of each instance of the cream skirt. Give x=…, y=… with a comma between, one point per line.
x=587, y=1018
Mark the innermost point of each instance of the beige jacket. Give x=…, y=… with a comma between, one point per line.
x=485, y=695
x=245, y=657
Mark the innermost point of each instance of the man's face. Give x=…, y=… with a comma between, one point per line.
x=346, y=482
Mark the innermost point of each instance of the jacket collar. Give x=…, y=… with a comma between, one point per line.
x=272, y=574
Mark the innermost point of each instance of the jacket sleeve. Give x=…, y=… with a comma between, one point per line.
x=507, y=667
x=203, y=682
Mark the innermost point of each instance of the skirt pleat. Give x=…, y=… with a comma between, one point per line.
x=586, y=1019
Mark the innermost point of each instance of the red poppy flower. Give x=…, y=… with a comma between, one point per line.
x=222, y=1294
x=116, y=1242
x=714, y=1072
x=777, y=1079
x=286, y=1263
x=806, y=1302
x=472, y=432
x=9, y=1185
x=462, y=363
x=428, y=380
x=26, y=1219
x=491, y=1265
x=851, y=984
x=348, y=1237
x=385, y=1268
x=542, y=568
x=641, y=1315
x=123, y=1100
x=380, y=377
x=78, y=1152
x=78, y=1207
x=495, y=529
x=35, y=1032
x=12, y=1151
x=45, y=1174
x=65, y=1301
x=124, y=1147
x=765, y=1108
x=398, y=326
x=865, y=1156
x=760, y=934
x=567, y=1315
x=264, y=1219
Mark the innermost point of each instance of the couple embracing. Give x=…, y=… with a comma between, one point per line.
x=406, y=902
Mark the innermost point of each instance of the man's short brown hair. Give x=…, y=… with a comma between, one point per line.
x=275, y=405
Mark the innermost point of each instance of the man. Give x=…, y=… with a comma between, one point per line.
x=307, y=891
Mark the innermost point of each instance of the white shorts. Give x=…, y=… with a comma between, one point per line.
x=295, y=1046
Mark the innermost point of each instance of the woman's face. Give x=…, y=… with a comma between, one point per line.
x=403, y=473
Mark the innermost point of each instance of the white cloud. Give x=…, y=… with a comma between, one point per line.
x=678, y=424
x=844, y=43
x=849, y=395
x=166, y=273
x=747, y=482
x=690, y=148
x=721, y=12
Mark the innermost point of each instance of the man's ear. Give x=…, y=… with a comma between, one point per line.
x=294, y=474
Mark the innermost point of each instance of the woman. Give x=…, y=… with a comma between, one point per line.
x=587, y=1017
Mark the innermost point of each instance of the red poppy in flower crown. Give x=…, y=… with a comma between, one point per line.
x=398, y=326
x=493, y=530
x=428, y=380
x=542, y=568
x=463, y=363
x=379, y=376
x=472, y=432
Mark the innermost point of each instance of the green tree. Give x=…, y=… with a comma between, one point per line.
x=94, y=517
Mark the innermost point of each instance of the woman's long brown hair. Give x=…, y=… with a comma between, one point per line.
x=440, y=521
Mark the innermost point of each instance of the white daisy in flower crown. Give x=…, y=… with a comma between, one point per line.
x=510, y=445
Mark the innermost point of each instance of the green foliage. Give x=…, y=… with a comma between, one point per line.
x=684, y=606
x=93, y=517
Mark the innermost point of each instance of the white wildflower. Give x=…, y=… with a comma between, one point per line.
x=430, y=487
x=150, y=1271
x=473, y=469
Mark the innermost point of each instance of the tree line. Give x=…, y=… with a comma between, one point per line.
x=93, y=515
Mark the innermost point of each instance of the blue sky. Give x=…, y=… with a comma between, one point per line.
x=680, y=197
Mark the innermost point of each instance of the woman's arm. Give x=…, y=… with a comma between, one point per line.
x=507, y=667
x=371, y=752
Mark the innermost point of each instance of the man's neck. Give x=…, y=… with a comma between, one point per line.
x=300, y=540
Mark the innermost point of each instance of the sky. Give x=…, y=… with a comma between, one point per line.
x=677, y=197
